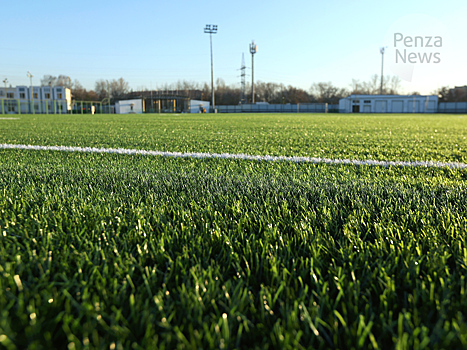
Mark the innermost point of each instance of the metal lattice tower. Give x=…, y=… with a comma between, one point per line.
x=243, y=84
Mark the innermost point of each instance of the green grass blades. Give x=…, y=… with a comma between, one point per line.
x=116, y=251
x=430, y=137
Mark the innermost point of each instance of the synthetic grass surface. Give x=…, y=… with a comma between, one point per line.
x=101, y=250
x=430, y=137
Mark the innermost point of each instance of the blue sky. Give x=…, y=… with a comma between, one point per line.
x=150, y=43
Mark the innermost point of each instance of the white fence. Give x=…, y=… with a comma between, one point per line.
x=452, y=107
x=279, y=108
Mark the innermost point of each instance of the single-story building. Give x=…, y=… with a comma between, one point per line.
x=197, y=106
x=389, y=104
x=129, y=107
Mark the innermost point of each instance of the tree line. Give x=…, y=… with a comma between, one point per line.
x=116, y=89
x=446, y=94
x=270, y=92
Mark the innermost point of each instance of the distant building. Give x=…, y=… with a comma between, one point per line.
x=42, y=99
x=129, y=106
x=166, y=101
x=197, y=106
x=388, y=104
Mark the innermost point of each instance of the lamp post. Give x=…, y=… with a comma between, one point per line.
x=253, y=50
x=382, y=65
x=31, y=96
x=211, y=29
x=5, y=81
x=66, y=99
x=51, y=96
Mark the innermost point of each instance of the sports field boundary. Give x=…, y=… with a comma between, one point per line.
x=198, y=155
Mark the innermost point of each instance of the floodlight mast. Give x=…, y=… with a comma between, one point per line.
x=211, y=29
x=382, y=65
x=31, y=96
x=5, y=81
x=243, y=89
x=253, y=50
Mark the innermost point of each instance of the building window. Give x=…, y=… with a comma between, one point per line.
x=367, y=101
x=356, y=101
x=47, y=95
x=59, y=96
x=21, y=89
x=59, y=90
x=22, y=95
x=10, y=95
x=35, y=95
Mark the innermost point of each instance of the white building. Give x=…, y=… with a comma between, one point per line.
x=388, y=104
x=129, y=107
x=196, y=106
x=42, y=99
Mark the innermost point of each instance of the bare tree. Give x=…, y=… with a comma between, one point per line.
x=391, y=85
x=119, y=88
x=115, y=89
x=225, y=94
x=394, y=83
x=372, y=86
x=78, y=92
x=446, y=94
x=294, y=95
x=48, y=80
x=327, y=93
x=356, y=87
x=61, y=80
x=268, y=92
x=102, y=89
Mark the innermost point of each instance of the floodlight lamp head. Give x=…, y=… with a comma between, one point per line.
x=210, y=29
x=253, y=48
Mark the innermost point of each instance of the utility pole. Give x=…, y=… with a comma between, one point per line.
x=253, y=50
x=110, y=95
x=243, y=85
x=382, y=65
x=211, y=29
x=31, y=96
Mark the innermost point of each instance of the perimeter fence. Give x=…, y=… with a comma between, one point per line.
x=279, y=108
x=452, y=107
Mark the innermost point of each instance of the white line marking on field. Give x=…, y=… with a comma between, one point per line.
x=426, y=164
x=9, y=118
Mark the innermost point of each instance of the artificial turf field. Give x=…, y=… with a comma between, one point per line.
x=129, y=251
